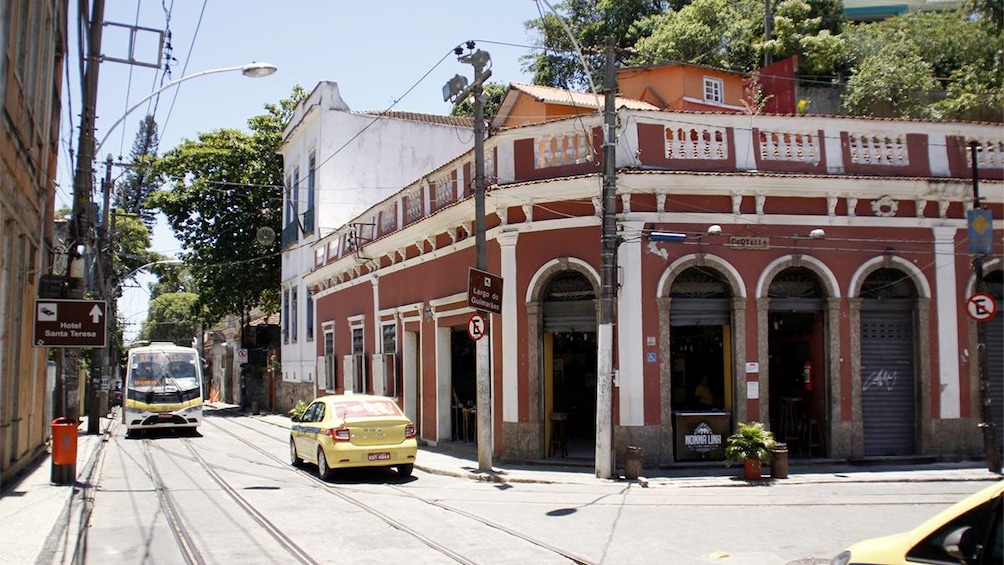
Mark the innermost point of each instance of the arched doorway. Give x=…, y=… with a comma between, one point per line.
x=888, y=363
x=796, y=360
x=569, y=355
x=700, y=346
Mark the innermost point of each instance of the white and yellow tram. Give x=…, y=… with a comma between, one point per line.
x=163, y=388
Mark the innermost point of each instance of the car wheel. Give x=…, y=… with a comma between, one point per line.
x=295, y=459
x=405, y=470
x=323, y=470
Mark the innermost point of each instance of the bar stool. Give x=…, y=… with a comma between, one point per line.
x=814, y=437
x=559, y=437
x=789, y=431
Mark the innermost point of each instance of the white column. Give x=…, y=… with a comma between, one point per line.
x=946, y=293
x=630, y=350
x=376, y=364
x=444, y=382
x=507, y=325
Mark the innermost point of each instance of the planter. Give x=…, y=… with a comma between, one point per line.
x=752, y=469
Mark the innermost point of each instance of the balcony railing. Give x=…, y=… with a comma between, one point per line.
x=308, y=220
x=290, y=235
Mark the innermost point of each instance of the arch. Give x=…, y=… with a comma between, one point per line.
x=538, y=282
x=822, y=271
x=890, y=262
x=995, y=264
x=674, y=269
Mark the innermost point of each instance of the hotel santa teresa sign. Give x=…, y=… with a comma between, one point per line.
x=70, y=323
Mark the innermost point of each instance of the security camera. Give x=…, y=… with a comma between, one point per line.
x=817, y=233
x=715, y=230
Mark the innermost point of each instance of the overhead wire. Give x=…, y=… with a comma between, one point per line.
x=184, y=67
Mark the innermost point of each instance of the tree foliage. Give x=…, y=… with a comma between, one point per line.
x=140, y=182
x=170, y=318
x=717, y=33
x=589, y=22
x=224, y=186
x=938, y=65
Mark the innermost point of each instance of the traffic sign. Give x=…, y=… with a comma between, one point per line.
x=476, y=327
x=70, y=323
x=484, y=291
x=981, y=307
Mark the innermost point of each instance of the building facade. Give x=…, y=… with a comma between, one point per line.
x=337, y=164
x=808, y=272
x=32, y=43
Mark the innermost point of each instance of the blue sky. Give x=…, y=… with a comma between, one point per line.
x=381, y=54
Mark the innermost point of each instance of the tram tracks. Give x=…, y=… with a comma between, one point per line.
x=448, y=552
x=182, y=530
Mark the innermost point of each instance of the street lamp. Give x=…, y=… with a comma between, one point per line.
x=250, y=70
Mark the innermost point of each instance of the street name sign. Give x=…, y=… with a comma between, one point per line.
x=70, y=323
x=484, y=291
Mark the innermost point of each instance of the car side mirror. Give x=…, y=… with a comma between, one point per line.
x=961, y=545
x=295, y=417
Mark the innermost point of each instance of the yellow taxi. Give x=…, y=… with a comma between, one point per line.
x=968, y=532
x=353, y=430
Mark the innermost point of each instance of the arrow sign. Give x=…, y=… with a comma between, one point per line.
x=70, y=323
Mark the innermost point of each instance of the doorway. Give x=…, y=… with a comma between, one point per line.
x=796, y=356
x=463, y=361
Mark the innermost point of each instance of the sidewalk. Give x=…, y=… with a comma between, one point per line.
x=41, y=521
x=462, y=461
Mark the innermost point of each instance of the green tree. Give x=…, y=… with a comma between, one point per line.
x=717, y=33
x=140, y=182
x=951, y=67
x=223, y=187
x=590, y=22
x=799, y=29
x=494, y=93
x=131, y=243
x=170, y=318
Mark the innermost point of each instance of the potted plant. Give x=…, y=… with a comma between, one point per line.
x=752, y=444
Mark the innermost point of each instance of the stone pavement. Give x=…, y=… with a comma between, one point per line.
x=40, y=521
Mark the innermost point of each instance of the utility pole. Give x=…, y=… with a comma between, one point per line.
x=100, y=356
x=457, y=90
x=608, y=276
x=987, y=425
x=67, y=403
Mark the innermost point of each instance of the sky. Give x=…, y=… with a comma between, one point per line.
x=388, y=54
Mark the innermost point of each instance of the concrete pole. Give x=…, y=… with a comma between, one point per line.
x=608, y=277
x=483, y=347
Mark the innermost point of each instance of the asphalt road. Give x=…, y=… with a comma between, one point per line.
x=229, y=495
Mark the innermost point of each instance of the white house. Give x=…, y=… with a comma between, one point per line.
x=338, y=163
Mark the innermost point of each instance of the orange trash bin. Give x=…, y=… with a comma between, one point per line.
x=64, y=441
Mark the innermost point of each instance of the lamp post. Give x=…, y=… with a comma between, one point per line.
x=250, y=70
x=82, y=208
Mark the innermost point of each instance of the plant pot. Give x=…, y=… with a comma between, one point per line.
x=752, y=469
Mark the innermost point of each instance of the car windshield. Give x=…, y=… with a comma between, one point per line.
x=164, y=370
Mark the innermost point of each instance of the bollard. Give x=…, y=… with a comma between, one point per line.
x=254, y=408
x=779, y=461
x=632, y=463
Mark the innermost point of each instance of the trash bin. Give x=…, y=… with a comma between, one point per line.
x=632, y=463
x=779, y=461
x=64, y=441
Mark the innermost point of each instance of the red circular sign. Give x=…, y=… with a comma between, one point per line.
x=476, y=327
x=981, y=307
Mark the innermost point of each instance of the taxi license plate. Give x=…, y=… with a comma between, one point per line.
x=379, y=456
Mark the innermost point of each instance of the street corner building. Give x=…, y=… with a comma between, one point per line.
x=817, y=278
x=32, y=48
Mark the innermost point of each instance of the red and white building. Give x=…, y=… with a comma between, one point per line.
x=820, y=286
